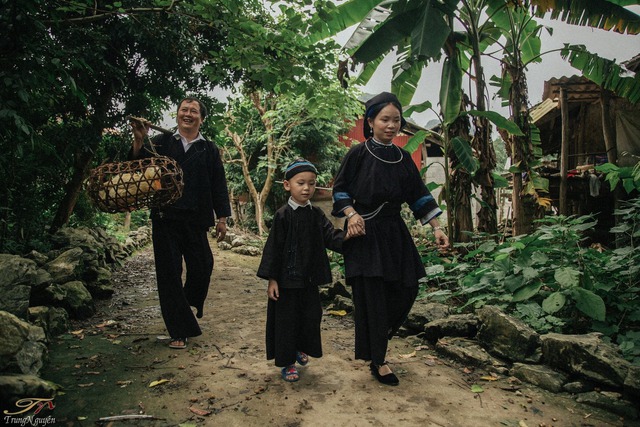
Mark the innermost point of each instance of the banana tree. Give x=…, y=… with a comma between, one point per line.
x=416, y=29
x=520, y=45
x=421, y=31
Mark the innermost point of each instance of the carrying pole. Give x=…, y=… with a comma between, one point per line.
x=148, y=123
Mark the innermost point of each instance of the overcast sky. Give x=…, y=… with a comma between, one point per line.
x=609, y=45
x=606, y=44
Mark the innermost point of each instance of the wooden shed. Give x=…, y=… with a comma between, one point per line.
x=583, y=126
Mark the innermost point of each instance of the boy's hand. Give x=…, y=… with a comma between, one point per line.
x=272, y=290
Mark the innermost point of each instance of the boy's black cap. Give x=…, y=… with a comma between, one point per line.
x=297, y=166
x=377, y=103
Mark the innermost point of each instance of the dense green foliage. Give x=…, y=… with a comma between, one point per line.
x=626, y=176
x=70, y=72
x=551, y=279
x=265, y=131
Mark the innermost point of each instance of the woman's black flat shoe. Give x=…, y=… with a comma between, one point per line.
x=389, y=379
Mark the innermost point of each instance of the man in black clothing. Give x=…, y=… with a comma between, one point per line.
x=180, y=230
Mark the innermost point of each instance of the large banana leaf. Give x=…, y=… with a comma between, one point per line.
x=329, y=24
x=417, y=108
x=368, y=70
x=519, y=28
x=465, y=156
x=450, y=90
x=406, y=73
x=498, y=120
x=430, y=32
x=604, y=72
x=604, y=14
x=415, y=141
x=387, y=35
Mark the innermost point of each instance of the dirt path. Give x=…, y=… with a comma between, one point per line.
x=108, y=363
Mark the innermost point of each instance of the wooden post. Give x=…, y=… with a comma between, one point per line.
x=608, y=131
x=564, y=151
x=127, y=221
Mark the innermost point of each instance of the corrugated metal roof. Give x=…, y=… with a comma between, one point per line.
x=542, y=109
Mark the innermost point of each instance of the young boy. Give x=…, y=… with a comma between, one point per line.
x=295, y=262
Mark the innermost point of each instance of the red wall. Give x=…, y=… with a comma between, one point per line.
x=357, y=133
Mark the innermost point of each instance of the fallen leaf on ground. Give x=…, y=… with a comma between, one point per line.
x=408, y=356
x=476, y=388
x=201, y=412
x=78, y=332
x=337, y=312
x=422, y=347
x=158, y=382
x=107, y=323
x=123, y=384
x=85, y=385
x=489, y=378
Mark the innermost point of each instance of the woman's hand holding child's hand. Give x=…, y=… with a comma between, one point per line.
x=355, y=227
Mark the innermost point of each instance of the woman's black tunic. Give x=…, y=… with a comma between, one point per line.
x=375, y=176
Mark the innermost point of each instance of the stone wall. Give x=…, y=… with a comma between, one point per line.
x=41, y=292
x=584, y=366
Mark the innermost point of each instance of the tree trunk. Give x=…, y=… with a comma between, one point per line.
x=253, y=191
x=127, y=222
x=521, y=151
x=460, y=187
x=81, y=165
x=461, y=198
x=608, y=127
x=83, y=158
x=481, y=142
x=564, y=151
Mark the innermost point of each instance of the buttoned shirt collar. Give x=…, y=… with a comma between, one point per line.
x=187, y=144
x=295, y=205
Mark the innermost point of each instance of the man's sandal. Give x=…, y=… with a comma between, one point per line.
x=290, y=374
x=302, y=358
x=178, y=343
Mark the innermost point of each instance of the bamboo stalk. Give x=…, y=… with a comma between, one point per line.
x=148, y=123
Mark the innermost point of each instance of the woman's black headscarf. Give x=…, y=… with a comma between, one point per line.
x=373, y=107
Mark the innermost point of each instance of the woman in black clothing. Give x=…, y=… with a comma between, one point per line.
x=382, y=266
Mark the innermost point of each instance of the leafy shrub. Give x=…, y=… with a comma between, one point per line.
x=550, y=280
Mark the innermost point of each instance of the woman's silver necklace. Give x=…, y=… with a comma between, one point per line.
x=383, y=160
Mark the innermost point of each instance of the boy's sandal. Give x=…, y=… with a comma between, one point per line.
x=302, y=358
x=290, y=374
x=178, y=343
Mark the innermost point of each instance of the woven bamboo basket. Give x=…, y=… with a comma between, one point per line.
x=136, y=184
